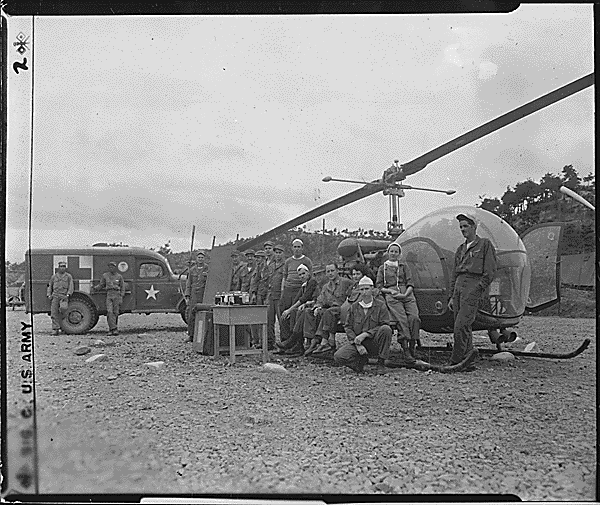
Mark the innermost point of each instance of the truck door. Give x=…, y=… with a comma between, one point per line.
x=154, y=289
x=543, y=254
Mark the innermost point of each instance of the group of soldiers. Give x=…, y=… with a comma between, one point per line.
x=366, y=306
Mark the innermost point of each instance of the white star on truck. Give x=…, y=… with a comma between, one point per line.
x=151, y=292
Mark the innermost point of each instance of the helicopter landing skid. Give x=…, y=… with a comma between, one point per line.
x=419, y=364
x=568, y=355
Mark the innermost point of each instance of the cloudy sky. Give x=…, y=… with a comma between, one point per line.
x=145, y=126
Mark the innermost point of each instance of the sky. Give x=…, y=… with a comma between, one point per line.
x=144, y=126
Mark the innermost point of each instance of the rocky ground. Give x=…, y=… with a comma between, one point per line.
x=196, y=425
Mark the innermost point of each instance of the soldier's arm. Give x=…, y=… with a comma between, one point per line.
x=71, y=286
x=188, y=284
x=283, y=277
x=489, y=265
x=379, y=280
x=408, y=280
x=102, y=284
x=254, y=282
x=308, y=262
x=322, y=297
x=122, y=286
x=50, y=287
x=349, y=326
x=453, y=275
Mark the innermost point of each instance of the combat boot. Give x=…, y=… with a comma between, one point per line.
x=311, y=348
x=412, y=346
x=408, y=357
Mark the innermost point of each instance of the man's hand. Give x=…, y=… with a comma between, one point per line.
x=358, y=340
x=317, y=311
x=285, y=314
x=361, y=350
x=49, y=297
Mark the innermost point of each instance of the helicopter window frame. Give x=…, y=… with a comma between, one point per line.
x=442, y=257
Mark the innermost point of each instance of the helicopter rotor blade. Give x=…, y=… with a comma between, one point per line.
x=358, y=194
x=414, y=166
x=447, y=191
x=331, y=179
x=576, y=197
x=421, y=162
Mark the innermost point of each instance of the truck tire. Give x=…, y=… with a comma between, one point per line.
x=80, y=318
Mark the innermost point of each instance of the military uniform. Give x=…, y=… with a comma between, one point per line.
x=259, y=284
x=115, y=291
x=236, y=276
x=194, y=292
x=376, y=321
x=474, y=270
x=274, y=297
x=59, y=289
x=246, y=277
x=333, y=294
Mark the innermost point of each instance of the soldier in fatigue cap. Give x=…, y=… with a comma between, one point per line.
x=474, y=269
x=238, y=267
x=60, y=287
x=194, y=289
x=274, y=291
x=114, y=284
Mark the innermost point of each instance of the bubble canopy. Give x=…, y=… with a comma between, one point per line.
x=442, y=227
x=509, y=290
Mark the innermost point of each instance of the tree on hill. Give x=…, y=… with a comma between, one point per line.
x=530, y=203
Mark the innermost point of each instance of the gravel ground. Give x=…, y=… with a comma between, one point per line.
x=197, y=425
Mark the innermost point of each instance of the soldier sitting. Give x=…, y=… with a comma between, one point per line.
x=333, y=294
x=292, y=319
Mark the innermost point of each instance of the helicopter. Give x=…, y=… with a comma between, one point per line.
x=528, y=271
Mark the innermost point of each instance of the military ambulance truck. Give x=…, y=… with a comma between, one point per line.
x=150, y=284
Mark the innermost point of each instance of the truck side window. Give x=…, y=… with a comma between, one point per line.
x=151, y=270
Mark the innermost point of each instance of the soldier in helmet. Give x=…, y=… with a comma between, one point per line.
x=114, y=284
x=194, y=288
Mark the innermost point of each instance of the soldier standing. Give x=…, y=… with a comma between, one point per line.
x=474, y=270
x=194, y=289
x=269, y=253
x=59, y=289
x=259, y=285
x=238, y=267
x=247, y=272
x=274, y=295
x=114, y=284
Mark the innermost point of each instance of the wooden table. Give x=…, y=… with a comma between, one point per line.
x=240, y=315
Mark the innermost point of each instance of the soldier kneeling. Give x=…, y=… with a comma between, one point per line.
x=368, y=330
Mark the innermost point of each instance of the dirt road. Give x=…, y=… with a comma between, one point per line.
x=197, y=425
